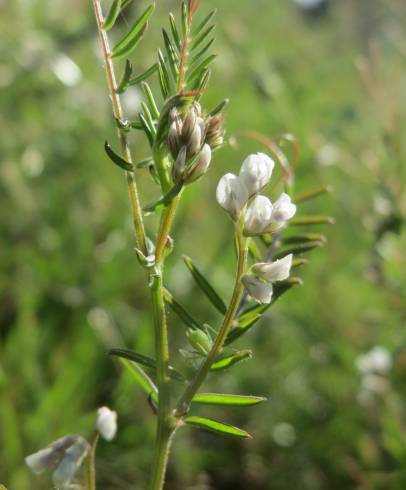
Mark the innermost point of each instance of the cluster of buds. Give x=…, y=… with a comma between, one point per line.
x=65, y=455
x=191, y=142
x=239, y=196
x=259, y=282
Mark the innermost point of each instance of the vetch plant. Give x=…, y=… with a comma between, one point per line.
x=183, y=137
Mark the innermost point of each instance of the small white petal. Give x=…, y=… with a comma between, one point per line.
x=232, y=195
x=71, y=462
x=106, y=423
x=257, y=289
x=258, y=216
x=49, y=457
x=256, y=172
x=377, y=360
x=201, y=165
x=283, y=210
x=274, y=271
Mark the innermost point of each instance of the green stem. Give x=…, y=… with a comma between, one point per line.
x=186, y=399
x=165, y=425
x=118, y=115
x=90, y=463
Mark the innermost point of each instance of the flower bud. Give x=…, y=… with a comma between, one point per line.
x=257, y=216
x=189, y=124
x=173, y=140
x=180, y=165
x=257, y=289
x=199, y=340
x=283, y=210
x=274, y=271
x=106, y=423
x=214, y=134
x=201, y=165
x=232, y=195
x=194, y=142
x=256, y=171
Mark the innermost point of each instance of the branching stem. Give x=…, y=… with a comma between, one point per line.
x=186, y=399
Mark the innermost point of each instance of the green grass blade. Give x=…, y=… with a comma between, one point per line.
x=227, y=400
x=205, y=286
x=216, y=427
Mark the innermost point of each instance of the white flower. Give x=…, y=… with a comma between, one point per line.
x=257, y=289
x=71, y=462
x=256, y=172
x=65, y=455
x=106, y=423
x=283, y=210
x=232, y=195
x=377, y=360
x=201, y=165
x=274, y=271
x=258, y=216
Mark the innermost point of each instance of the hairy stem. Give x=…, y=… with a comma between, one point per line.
x=186, y=399
x=118, y=115
x=90, y=463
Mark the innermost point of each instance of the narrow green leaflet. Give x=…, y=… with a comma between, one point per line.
x=112, y=15
x=141, y=377
x=219, y=107
x=125, y=80
x=217, y=427
x=149, y=120
x=184, y=18
x=131, y=39
x=172, y=55
x=202, y=52
x=145, y=361
x=147, y=73
x=201, y=83
x=227, y=361
x=244, y=325
x=304, y=238
x=203, y=36
x=300, y=248
x=205, y=286
x=299, y=262
x=307, y=196
x=164, y=74
x=312, y=220
x=230, y=400
x=115, y=158
x=204, y=23
x=164, y=200
x=151, y=100
x=200, y=68
x=174, y=31
x=180, y=311
x=147, y=129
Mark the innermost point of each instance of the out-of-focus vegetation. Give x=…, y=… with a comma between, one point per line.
x=70, y=286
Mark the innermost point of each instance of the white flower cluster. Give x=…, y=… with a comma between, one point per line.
x=238, y=195
x=373, y=366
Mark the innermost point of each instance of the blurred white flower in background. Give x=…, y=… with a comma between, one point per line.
x=284, y=434
x=377, y=360
x=66, y=70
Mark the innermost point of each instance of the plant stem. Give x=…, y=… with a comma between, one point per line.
x=186, y=399
x=165, y=428
x=90, y=463
x=118, y=115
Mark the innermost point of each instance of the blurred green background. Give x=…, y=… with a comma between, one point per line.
x=70, y=286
